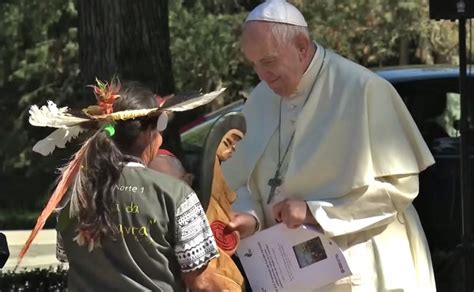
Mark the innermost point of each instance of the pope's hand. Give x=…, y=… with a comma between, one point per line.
x=293, y=213
x=245, y=224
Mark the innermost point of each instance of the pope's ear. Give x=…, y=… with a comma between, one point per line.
x=302, y=43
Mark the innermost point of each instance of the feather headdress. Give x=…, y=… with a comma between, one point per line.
x=70, y=124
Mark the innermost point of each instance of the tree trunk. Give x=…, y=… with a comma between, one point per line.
x=126, y=38
x=129, y=39
x=404, y=51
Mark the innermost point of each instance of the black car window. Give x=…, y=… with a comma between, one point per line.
x=427, y=101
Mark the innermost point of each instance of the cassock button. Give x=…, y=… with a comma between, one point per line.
x=293, y=106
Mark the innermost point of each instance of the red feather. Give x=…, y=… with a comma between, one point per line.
x=67, y=177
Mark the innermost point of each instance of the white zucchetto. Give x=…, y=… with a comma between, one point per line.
x=277, y=11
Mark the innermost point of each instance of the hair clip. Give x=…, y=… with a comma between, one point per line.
x=109, y=129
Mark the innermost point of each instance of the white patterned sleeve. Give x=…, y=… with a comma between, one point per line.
x=195, y=245
x=60, y=251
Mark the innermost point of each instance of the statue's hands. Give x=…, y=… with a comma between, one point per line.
x=245, y=224
x=293, y=213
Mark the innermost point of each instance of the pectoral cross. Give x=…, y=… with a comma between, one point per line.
x=274, y=183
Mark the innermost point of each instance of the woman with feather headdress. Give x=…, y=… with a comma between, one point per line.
x=124, y=226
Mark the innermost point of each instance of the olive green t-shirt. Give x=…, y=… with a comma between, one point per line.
x=162, y=231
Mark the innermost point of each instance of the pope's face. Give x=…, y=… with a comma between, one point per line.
x=279, y=64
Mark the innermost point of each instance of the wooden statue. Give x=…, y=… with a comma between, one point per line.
x=220, y=210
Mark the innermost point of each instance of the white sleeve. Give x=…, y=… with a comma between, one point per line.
x=60, y=251
x=195, y=245
x=246, y=203
x=367, y=207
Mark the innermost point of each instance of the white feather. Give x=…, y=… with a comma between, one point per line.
x=58, y=138
x=52, y=116
x=162, y=122
x=195, y=102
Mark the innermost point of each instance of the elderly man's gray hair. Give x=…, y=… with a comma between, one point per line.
x=286, y=32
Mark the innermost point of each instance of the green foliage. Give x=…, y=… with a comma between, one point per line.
x=15, y=219
x=38, y=61
x=375, y=32
x=34, y=280
x=206, y=51
x=216, y=6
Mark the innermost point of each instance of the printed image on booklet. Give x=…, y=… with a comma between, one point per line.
x=309, y=252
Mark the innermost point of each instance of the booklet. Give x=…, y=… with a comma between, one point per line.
x=279, y=258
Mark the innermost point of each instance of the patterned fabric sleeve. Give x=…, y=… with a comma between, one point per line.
x=195, y=245
x=60, y=252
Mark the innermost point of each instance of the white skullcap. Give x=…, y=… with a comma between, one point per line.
x=277, y=11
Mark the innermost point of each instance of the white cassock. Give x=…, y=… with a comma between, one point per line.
x=355, y=159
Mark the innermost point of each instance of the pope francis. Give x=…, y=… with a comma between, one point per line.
x=329, y=143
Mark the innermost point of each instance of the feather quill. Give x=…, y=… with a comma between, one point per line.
x=51, y=116
x=67, y=177
x=58, y=138
x=126, y=115
x=195, y=102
